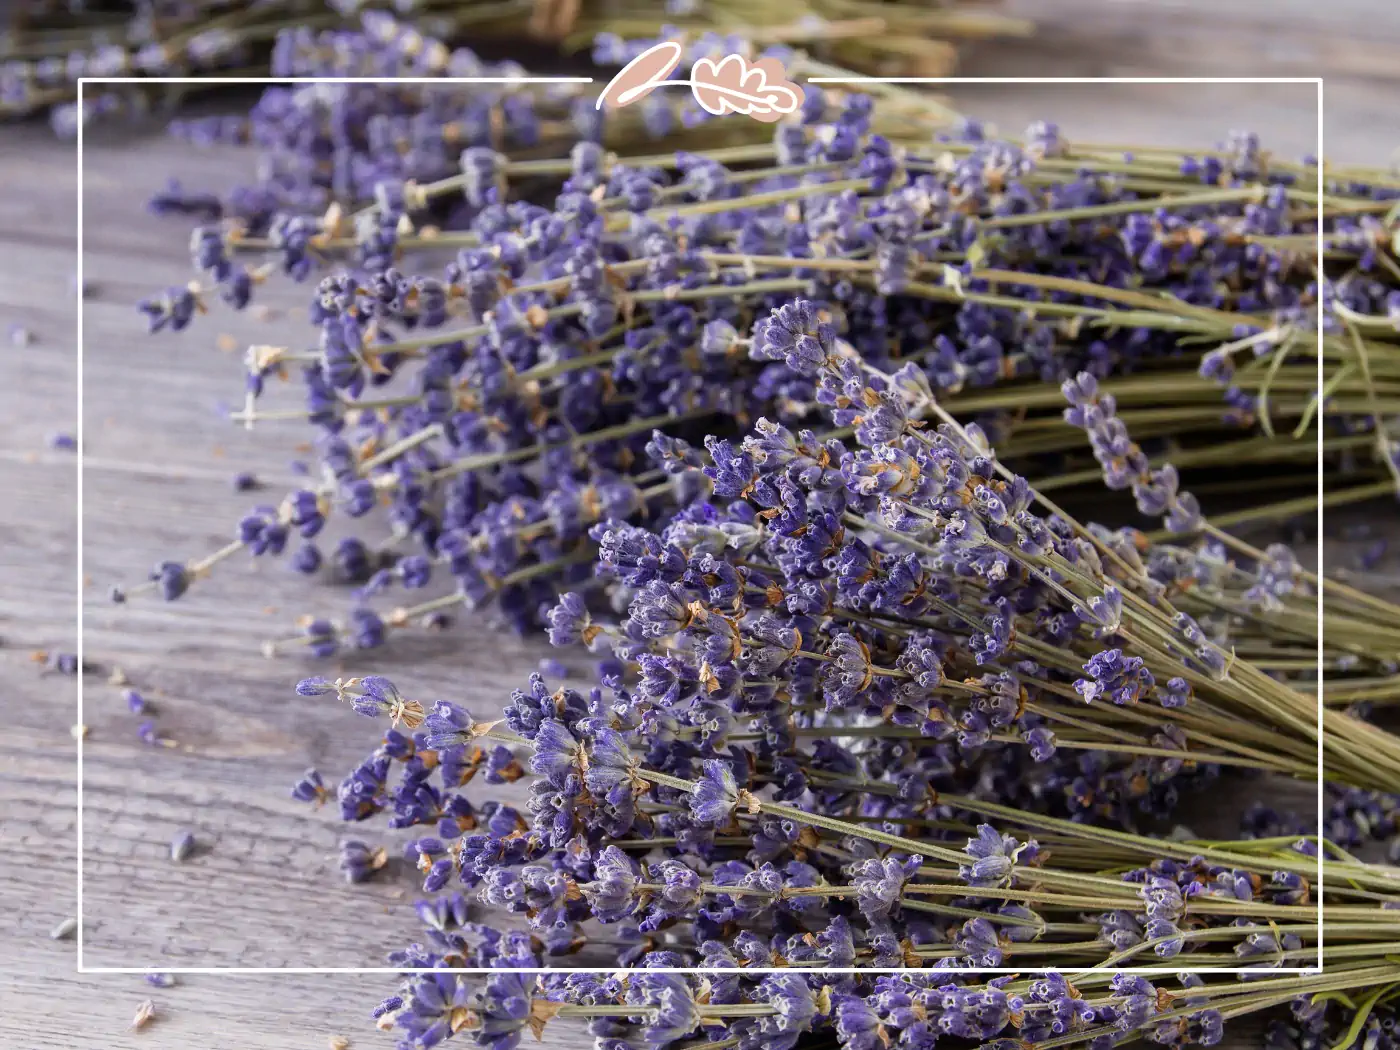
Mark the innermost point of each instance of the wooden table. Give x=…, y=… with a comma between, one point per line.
x=263, y=890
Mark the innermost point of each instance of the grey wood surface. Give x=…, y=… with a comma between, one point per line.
x=264, y=891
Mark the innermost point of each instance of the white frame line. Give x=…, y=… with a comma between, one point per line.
x=1063, y=80
x=331, y=80
x=78, y=434
x=1321, y=568
x=1160, y=969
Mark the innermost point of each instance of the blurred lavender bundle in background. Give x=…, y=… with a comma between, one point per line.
x=48, y=45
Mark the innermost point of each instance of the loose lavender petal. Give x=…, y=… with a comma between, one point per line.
x=182, y=846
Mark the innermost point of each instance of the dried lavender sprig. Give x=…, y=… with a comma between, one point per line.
x=1209, y=654
x=308, y=508
x=366, y=629
x=1157, y=490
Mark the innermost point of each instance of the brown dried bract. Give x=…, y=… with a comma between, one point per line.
x=541, y=1011
x=144, y=1015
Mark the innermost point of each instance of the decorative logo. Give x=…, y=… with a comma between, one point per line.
x=760, y=89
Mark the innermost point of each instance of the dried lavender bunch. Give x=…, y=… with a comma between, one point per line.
x=676, y=871
x=725, y=1007
x=561, y=301
x=834, y=640
x=1209, y=245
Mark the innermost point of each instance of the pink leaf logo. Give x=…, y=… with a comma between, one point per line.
x=643, y=75
x=732, y=85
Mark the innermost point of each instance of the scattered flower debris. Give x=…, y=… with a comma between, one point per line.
x=145, y=1014
x=63, y=663
x=359, y=861
x=182, y=846
x=151, y=736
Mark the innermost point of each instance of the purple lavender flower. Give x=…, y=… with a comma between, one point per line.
x=716, y=794
x=359, y=861
x=310, y=788
x=994, y=858
x=612, y=893
x=793, y=333
x=879, y=883
x=1122, y=679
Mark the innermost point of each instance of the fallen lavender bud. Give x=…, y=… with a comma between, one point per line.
x=1372, y=554
x=359, y=861
x=63, y=663
x=310, y=788
x=174, y=200
x=149, y=734
x=182, y=846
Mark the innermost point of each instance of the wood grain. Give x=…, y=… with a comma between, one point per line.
x=263, y=890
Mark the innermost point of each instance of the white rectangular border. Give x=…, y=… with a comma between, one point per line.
x=1158, y=970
